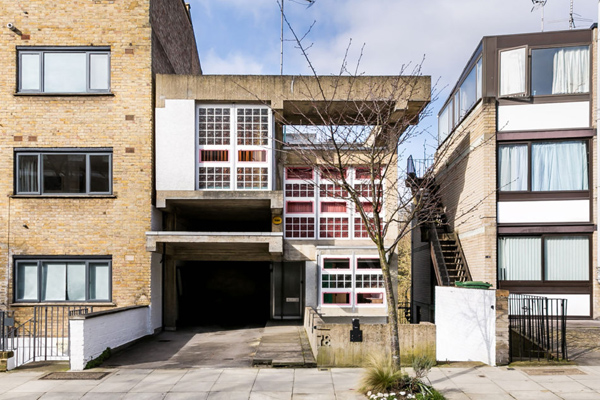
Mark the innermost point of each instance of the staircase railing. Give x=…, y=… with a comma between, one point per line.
x=437, y=256
x=464, y=273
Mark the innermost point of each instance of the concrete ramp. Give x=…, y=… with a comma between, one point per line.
x=284, y=344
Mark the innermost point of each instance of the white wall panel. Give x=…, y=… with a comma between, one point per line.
x=543, y=211
x=527, y=117
x=578, y=305
x=176, y=145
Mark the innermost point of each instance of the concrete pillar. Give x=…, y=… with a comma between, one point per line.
x=170, y=295
x=502, y=328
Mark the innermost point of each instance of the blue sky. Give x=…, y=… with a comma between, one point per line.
x=242, y=36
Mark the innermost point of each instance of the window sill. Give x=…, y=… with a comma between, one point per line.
x=34, y=94
x=63, y=196
x=64, y=303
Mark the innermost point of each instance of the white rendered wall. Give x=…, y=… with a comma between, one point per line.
x=543, y=211
x=465, y=322
x=156, y=299
x=535, y=117
x=311, y=295
x=176, y=145
x=91, y=335
x=578, y=305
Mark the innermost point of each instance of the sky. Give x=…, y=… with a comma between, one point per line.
x=243, y=37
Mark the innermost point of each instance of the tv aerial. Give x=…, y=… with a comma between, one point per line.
x=539, y=5
x=310, y=3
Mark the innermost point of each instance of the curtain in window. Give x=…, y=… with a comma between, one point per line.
x=519, y=258
x=27, y=281
x=99, y=281
x=512, y=71
x=299, y=207
x=76, y=281
x=571, y=70
x=567, y=258
x=54, y=281
x=559, y=166
x=28, y=174
x=513, y=168
x=333, y=207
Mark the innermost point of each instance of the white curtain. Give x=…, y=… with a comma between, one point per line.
x=28, y=174
x=571, y=70
x=99, y=281
x=519, y=258
x=567, y=258
x=513, y=167
x=27, y=281
x=54, y=281
x=512, y=71
x=559, y=166
x=76, y=281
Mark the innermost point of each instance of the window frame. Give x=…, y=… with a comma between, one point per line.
x=42, y=50
x=40, y=152
x=62, y=259
x=526, y=73
x=507, y=195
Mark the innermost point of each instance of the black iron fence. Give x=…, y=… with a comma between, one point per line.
x=43, y=337
x=537, y=328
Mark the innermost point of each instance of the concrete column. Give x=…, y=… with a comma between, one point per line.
x=502, y=328
x=170, y=294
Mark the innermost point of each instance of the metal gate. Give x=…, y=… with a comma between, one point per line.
x=44, y=337
x=537, y=328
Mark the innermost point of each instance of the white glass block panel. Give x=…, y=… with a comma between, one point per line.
x=567, y=258
x=99, y=72
x=30, y=72
x=512, y=71
x=76, y=281
x=27, y=281
x=54, y=281
x=65, y=72
x=99, y=281
x=519, y=258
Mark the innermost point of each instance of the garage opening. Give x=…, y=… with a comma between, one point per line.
x=224, y=293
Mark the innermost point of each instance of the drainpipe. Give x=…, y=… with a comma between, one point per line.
x=597, y=99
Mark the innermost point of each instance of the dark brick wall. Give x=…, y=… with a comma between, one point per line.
x=173, y=44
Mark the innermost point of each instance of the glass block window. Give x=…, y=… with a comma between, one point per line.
x=299, y=173
x=299, y=190
x=252, y=178
x=214, y=178
x=331, y=190
x=336, y=281
x=372, y=281
x=252, y=126
x=299, y=227
x=333, y=227
x=360, y=230
x=214, y=126
x=364, y=189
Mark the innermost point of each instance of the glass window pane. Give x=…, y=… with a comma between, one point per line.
x=64, y=173
x=559, y=166
x=76, y=281
x=444, y=124
x=27, y=281
x=65, y=72
x=27, y=181
x=456, y=103
x=479, y=78
x=560, y=70
x=30, y=72
x=99, y=72
x=468, y=92
x=54, y=282
x=100, y=173
x=519, y=258
x=567, y=258
x=99, y=281
x=512, y=71
x=512, y=167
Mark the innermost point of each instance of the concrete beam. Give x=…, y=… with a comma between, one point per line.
x=274, y=240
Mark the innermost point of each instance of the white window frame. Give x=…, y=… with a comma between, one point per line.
x=526, y=72
x=41, y=51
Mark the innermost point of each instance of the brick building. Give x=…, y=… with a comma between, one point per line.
x=76, y=151
x=514, y=171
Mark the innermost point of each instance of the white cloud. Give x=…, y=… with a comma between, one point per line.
x=232, y=63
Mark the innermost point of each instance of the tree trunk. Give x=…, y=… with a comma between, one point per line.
x=392, y=308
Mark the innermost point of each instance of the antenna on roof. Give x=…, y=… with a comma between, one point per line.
x=539, y=4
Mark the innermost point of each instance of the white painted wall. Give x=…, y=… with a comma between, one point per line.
x=465, y=322
x=535, y=117
x=578, y=305
x=91, y=334
x=156, y=299
x=544, y=211
x=176, y=145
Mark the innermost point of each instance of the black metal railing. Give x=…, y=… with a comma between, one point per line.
x=6, y=323
x=537, y=328
x=43, y=337
x=416, y=168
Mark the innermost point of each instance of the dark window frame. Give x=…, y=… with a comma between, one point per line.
x=41, y=50
x=44, y=259
x=18, y=152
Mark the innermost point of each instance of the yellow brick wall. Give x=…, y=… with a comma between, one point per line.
x=81, y=226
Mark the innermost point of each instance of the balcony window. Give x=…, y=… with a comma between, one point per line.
x=64, y=70
x=63, y=172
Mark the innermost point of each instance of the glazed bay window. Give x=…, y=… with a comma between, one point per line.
x=544, y=258
x=351, y=281
x=69, y=280
x=63, y=172
x=68, y=70
x=543, y=166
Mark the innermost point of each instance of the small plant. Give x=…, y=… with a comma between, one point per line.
x=96, y=362
x=381, y=375
x=422, y=365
